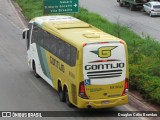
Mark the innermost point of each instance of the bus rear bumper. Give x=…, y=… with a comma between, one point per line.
x=103, y=103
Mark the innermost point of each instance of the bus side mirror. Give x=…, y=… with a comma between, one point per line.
x=25, y=33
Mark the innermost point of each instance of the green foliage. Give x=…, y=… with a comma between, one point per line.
x=144, y=53
x=31, y=8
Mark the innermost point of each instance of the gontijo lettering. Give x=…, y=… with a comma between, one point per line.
x=104, y=66
x=57, y=64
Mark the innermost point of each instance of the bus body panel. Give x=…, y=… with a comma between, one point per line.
x=102, y=103
x=38, y=55
x=101, y=61
x=104, y=70
x=52, y=69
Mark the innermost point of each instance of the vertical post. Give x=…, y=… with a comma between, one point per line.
x=43, y=7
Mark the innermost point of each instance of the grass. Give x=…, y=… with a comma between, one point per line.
x=144, y=53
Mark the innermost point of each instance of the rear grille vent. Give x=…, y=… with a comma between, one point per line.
x=104, y=74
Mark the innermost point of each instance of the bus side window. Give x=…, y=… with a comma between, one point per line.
x=67, y=53
x=46, y=40
x=34, y=34
x=73, y=55
x=40, y=37
x=52, y=44
x=60, y=47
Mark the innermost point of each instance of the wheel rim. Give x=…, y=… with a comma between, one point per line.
x=67, y=97
x=34, y=69
x=131, y=7
x=60, y=93
x=35, y=72
x=150, y=14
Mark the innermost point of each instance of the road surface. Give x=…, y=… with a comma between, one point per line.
x=138, y=21
x=20, y=90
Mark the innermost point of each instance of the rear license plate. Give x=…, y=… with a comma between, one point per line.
x=105, y=102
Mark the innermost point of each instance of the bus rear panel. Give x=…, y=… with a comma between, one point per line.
x=105, y=80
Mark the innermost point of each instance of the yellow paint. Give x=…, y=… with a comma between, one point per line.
x=74, y=75
x=105, y=52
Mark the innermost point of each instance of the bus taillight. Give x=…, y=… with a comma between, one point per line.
x=126, y=84
x=85, y=44
x=122, y=42
x=82, y=92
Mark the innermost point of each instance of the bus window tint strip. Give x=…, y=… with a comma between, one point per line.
x=54, y=45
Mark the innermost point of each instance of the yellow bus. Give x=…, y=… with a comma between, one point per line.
x=88, y=67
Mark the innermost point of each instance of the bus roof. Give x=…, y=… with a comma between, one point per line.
x=73, y=29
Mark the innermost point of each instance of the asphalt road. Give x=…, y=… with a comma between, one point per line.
x=19, y=89
x=138, y=21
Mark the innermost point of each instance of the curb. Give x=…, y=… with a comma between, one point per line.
x=139, y=103
x=19, y=12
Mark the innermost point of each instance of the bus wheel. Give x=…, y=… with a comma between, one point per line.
x=34, y=69
x=120, y=4
x=131, y=7
x=61, y=93
x=150, y=14
x=67, y=98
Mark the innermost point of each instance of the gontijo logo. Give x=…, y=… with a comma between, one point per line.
x=104, y=52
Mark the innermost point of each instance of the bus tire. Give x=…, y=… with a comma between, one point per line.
x=131, y=7
x=34, y=69
x=67, y=98
x=61, y=93
x=150, y=14
x=121, y=4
